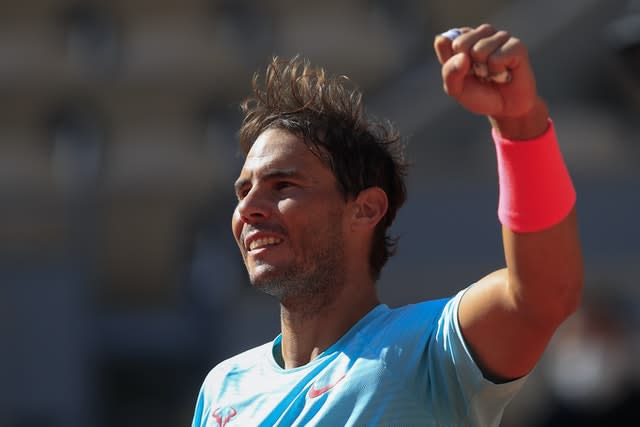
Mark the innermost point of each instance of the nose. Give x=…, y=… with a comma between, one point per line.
x=254, y=207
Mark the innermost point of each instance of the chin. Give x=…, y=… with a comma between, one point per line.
x=269, y=281
x=262, y=276
x=269, y=287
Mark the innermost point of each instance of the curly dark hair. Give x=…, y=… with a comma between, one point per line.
x=328, y=115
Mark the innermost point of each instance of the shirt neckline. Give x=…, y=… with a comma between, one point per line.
x=275, y=349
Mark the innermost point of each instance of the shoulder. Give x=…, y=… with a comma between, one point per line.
x=408, y=327
x=425, y=312
x=430, y=307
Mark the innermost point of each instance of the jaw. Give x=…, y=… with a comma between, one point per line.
x=261, y=271
x=265, y=274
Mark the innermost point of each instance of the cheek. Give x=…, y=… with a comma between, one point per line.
x=308, y=223
x=294, y=215
x=236, y=225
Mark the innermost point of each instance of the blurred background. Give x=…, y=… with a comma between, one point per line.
x=120, y=283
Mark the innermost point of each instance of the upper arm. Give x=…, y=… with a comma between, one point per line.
x=508, y=317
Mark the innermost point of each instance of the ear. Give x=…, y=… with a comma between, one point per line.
x=369, y=208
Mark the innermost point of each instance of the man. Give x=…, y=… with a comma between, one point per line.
x=319, y=188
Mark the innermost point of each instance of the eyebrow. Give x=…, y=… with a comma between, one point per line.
x=270, y=174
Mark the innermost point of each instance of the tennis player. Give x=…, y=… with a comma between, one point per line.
x=320, y=186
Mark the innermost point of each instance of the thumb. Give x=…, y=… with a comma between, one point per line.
x=454, y=72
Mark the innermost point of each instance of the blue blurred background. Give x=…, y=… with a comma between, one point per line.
x=120, y=283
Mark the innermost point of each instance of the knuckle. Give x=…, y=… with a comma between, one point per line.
x=439, y=43
x=520, y=48
x=503, y=36
x=486, y=27
x=477, y=50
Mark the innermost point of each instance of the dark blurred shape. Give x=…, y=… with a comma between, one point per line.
x=78, y=134
x=92, y=37
x=408, y=19
x=590, y=363
x=46, y=347
x=623, y=36
x=246, y=24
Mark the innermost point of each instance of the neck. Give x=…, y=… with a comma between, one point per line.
x=309, y=328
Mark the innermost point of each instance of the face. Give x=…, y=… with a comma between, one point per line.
x=290, y=219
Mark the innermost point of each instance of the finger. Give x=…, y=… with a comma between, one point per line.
x=508, y=56
x=486, y=46
x=480, y=70
x=442, y=43
x=497, y=75
x=480, y=53
x=454, y=72
x=501, y=77
x=466, y=41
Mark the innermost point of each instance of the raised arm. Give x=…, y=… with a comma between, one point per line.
x=509, y=316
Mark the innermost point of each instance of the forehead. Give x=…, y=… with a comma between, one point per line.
x=278, y=149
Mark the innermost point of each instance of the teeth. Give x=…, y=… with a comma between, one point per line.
x=265, y=241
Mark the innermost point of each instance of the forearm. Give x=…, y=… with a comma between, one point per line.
x=540, y=230
x=545, y=271
x=509, y=316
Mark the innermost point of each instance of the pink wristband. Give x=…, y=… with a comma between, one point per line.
x=536, y=191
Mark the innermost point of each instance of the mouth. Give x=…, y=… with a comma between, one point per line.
x=262, y=243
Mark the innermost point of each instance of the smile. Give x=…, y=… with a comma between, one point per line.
x=263, y=242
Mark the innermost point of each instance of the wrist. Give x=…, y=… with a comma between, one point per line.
x=536, y=190
x=526, y=126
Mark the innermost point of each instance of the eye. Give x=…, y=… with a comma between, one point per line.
x=281, y=185
x=242, y=193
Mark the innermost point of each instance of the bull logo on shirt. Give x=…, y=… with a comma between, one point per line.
x=223, y=415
